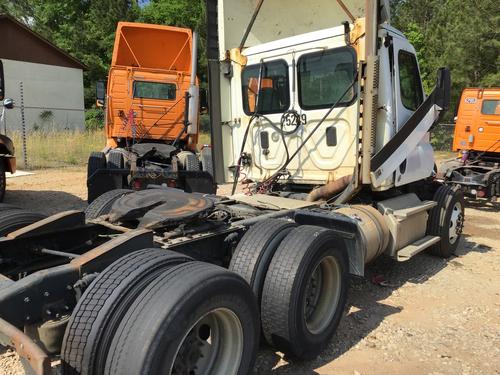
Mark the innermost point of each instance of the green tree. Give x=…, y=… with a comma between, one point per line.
x=460, y=34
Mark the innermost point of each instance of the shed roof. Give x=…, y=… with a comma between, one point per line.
x=21, y=43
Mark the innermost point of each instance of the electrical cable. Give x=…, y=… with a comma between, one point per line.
x=236, y=174
x=270, y=180
x=163, y=115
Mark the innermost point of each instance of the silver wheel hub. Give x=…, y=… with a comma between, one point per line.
x=456, y=223
x=213, y=345
x=322, y=295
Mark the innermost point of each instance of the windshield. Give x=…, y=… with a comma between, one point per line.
x=491, y=107
x=154, y=90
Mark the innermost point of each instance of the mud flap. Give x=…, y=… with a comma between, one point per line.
x=199, y=182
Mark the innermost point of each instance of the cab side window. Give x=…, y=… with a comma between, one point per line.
x=409, y=81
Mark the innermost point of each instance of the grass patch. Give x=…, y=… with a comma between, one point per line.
x=57, y=148
x=203, y=139
x=64, y=148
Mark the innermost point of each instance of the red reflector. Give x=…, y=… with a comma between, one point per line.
x=137, y=185
x=171, y=183
x=467, y=129
x=481, y=193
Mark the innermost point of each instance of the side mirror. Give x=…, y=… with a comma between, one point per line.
x=2, y=82
x=203, y=101
x=8, y=103
x=100, y=93
x=443, y=89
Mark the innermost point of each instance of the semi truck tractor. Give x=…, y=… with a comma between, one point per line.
x=476, y=170
x=151, y=104
x=317, y=108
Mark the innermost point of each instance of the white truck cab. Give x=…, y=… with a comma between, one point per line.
x=292, y=101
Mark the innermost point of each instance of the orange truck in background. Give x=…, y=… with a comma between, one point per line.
x=477, y=139
x=151, y=105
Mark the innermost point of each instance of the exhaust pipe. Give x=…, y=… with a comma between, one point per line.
x=194, y=91
x=329, y=190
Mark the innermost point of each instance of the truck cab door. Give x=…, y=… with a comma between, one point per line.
x=408, y=96
x=487, y=125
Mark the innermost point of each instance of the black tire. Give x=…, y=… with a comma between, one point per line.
x=14, y=219
x=255, y=250
x=166, y=314
x=6, y=206
x=207, y=164
x=3, y=180
x=115, y=160
x=104, y=303
x=102, y=205
x=188, y=161
x=97, y=160
x=447, y=215
x=305, y=252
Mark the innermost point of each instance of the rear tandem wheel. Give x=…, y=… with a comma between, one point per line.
x=305, y=291
x=195, y=318
x=102, y=306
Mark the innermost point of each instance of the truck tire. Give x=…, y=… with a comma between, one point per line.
x=103, y=305
x=188, y=161
x=97, y=160
x=115, y=160
x=14, y=219
x=194, y=316
x=102, y=205
x=207, y=164
x=6, y=206
x=305, y=292
x=255, y=250
x=446, y=220
x=3, y=180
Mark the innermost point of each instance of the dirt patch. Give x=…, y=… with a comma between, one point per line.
x=431, y=317
x=49, y=191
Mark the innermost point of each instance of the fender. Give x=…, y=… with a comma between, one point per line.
x=7, y=151
x=350, y=239
x=6, y=146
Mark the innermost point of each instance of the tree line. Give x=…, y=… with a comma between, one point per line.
x=460, y=34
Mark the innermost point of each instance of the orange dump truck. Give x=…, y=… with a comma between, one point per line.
x=151, y=114
x=477, y=139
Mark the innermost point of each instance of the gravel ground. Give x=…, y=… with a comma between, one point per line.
x=430, y=316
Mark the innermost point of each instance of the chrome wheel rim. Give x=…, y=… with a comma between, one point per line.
x=213, y=345
x=322, y=295
x=456, y=223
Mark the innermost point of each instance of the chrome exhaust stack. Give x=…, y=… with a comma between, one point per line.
x=194, y=91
